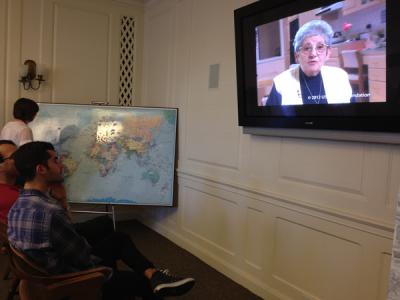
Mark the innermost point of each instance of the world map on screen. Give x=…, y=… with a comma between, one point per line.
x=112, y=155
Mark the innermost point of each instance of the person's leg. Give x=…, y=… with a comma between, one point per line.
x=125, y=285
x=96, y=229
x=119, y=245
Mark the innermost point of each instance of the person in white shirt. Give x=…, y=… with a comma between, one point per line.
x=17, y=130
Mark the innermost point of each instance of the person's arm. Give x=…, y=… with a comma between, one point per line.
x=69, y=245
x=25, y=136
x=58, y=192
x=274, y=97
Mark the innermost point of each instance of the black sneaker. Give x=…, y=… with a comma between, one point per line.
x=164, y=284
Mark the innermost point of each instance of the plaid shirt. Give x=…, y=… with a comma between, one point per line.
x=40, y=227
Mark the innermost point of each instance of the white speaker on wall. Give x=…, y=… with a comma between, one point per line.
x=213, y=79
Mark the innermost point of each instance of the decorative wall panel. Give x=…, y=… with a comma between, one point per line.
x=314, y=262
x=314, y=162
x=212, y=219
x=127, y=62
x=255, y=238
x=81, y=56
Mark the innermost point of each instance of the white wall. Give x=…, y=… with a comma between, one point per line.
x=78, y=43
x=287, y=218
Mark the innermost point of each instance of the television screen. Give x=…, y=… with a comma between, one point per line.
x=319, y=64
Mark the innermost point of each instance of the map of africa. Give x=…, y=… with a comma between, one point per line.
x=112, y=155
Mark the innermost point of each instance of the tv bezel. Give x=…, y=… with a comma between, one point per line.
x=377, y=117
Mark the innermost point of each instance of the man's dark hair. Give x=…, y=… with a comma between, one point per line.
x=25, y=109
x=29, y=156
x=7, y=142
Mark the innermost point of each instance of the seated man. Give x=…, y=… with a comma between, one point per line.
x=92, y=230
x=8, y=175
x=40, y=227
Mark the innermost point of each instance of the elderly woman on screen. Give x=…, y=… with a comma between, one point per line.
x=310, y=82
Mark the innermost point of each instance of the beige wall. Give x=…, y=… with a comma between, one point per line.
x=287, y=218
x=77, y=42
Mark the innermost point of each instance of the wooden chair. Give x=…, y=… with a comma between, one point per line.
x=351, y=61
x=37, y=284
x=3, y=244
x=7, y=271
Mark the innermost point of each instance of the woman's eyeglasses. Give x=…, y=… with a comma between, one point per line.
x=307, y=49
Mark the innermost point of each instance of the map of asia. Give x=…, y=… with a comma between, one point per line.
x=112, y=155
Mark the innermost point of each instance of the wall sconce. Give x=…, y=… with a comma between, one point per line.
x=30, y=73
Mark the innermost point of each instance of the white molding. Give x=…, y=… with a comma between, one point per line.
x=132, y=2
x=359, y=222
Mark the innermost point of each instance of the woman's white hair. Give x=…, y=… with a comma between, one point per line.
x=314, y=27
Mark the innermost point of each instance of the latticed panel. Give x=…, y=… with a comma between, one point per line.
x=126, y=65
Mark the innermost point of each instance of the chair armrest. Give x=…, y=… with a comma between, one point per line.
x=105, y=272
x=90, y=283
x=25, y=269
x=88, y=287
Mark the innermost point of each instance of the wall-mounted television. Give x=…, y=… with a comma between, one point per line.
x=319, y=64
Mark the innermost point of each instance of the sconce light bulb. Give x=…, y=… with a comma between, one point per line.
x=39, y=69
x=23, y=71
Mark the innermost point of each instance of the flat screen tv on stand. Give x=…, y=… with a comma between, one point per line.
x=352, y=74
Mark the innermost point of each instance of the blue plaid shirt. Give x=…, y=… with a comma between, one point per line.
x=40, y=227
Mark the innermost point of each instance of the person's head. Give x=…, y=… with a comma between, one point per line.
x=312, y=46
x=25, y=109
x=38, y=161
x=8, y=172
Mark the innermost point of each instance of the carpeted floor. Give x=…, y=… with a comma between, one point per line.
x=210, y=284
